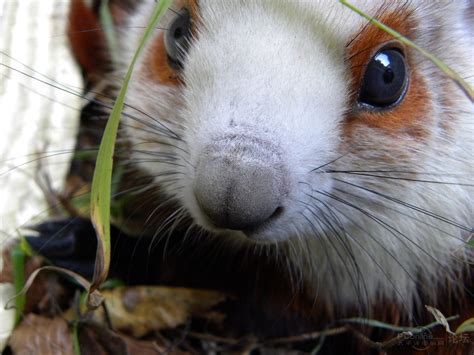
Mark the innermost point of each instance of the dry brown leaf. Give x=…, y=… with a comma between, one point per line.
x=41, y=335
x=47, y=294
x=440, y=318
x=42, y=285
x=142, y=309
x=6, y=273
x=97, y=340
x=141, y=347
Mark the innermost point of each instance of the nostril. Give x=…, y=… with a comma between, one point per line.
x=278, y=212
x=275, y=215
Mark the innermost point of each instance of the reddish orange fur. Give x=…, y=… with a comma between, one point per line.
x=158, y=64
x=407, y=117
x=86, y=38
x=159, y=67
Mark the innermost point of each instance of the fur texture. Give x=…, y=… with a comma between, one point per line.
x=370, y=212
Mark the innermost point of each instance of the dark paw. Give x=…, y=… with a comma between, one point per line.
x=69, y=243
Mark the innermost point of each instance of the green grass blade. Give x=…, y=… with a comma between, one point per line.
x=107, y=23
x=94, y=298
x=466, y=326
x=18, y=257
x=463, y=85
x=101, y=183
x=76, y=346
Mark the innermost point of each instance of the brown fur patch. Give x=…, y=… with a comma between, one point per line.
x=157, y=59
x=87, y=38
x=158, y=65
x=410, y=115
x=193, y=6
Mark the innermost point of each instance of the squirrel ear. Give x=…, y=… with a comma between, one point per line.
x=87, y=40
x=87, y=37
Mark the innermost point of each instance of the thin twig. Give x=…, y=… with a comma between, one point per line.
x=397, y=340
x=308, y=336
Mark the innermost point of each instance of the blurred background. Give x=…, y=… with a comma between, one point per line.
x=38, y=117
x=39, y=111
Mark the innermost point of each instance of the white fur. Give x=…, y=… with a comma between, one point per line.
x=276, y=69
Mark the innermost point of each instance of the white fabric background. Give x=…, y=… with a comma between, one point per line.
x=34, y=117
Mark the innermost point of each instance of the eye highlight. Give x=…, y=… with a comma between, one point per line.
x=177, y=38
x=385, y=80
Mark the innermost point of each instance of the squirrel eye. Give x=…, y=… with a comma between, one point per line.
x=385, y=79
x=177, y=38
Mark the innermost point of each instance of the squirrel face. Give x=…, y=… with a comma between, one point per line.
x=299, y=125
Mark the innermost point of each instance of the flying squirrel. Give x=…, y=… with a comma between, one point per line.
x=303, y=157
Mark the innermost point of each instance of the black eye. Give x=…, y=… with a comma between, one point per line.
x=177, y=38
x=385, y=79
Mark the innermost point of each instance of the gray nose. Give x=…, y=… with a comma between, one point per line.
x=239, y=187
